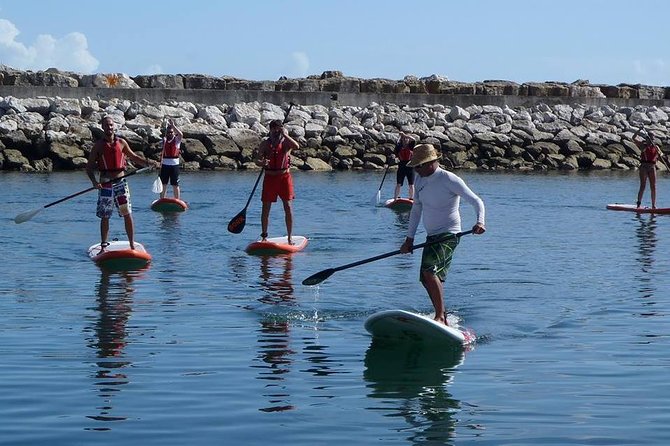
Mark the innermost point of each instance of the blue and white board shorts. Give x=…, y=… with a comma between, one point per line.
x=114, y=194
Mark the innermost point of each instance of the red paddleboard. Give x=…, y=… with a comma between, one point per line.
x=399, y=204
x=639, y=210
x=118, y=255
x=168, y=205
x=277, y=245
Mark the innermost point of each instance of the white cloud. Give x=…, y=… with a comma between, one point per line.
x=300, y=66
x=152, y=69
x=68, y=53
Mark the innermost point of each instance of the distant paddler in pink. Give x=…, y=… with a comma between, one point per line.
x=650, y=153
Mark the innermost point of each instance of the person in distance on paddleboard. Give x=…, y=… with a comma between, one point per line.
x=108, y=156
x=275, y=157
x=171, y=145
x=403, y=152
x=436, y=202
x=650, y=154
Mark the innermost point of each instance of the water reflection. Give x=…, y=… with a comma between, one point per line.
x=114, y=293
x=274, y=352
x=647, y=242
x=411, y=380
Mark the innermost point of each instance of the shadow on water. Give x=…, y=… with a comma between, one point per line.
x=647, y=242
x=114, y=293
x=275, y=352
x=411, y=380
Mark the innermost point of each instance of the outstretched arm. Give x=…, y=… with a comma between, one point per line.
x=177, y=132
x=135, y=157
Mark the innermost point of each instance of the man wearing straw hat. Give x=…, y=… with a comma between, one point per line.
x=436, y=201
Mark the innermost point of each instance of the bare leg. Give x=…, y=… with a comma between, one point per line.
x=164, y=190
x=104, y=231
x=265, y=217
x=396, y=192
x=176, y=191
x=411, y=191
x=130, y=230
x=643, y=183
x=435, y=290
x=652, y=186
x=288, y=216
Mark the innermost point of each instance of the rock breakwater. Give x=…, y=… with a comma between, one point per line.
x=54, y=133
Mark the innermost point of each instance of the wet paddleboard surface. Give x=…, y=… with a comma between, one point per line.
x=277, y=245
x=405, y=325
x=169, y=205
x=118, y=255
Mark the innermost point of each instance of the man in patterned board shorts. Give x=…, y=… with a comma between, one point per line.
x=108, y=156
x=436, y=201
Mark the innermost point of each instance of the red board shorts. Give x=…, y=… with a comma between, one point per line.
x=277, y=186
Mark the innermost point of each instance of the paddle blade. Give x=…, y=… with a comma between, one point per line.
x=25, y=216
x=236, y=225
x=157, y=187
x=319, y=277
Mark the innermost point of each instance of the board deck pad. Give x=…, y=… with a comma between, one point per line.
x=405, y=325
x=118, y=255
x=277, y=245
x=400, y=204
x=168, y=204
x=639, y=210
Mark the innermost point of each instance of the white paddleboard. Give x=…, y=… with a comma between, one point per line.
x=405, y=325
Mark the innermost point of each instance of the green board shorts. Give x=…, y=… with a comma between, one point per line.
x=436, y=258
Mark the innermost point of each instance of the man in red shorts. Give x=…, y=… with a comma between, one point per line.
x=274, y=154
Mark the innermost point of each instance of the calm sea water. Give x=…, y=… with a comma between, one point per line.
x=212, y=346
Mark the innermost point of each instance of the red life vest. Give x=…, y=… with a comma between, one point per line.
x=113, y=158
x=649, y=154
x=278, y=159
x=170, y=148
x=405, y=153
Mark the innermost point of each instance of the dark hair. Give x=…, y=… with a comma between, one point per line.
x=276, y=123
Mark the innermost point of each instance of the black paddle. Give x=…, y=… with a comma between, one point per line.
x=236, y=225
x=319, y=277
x=378, y=196
x=25, y=216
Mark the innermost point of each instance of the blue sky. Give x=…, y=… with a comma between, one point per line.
x=603, y=41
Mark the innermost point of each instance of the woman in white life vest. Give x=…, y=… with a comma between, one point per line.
x=171, y=145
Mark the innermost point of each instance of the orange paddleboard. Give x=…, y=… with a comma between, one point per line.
x=399, y=204
x=277, y=245
x=168, y=205
x=118, y=255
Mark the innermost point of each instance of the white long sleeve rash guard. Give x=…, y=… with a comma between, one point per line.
x=436, y=201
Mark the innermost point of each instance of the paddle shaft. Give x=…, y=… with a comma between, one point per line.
x=393, y=253
x=91, y=188
x=319, y=277
x=384, y=177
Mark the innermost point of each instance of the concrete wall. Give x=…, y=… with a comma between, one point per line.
x=210, y=97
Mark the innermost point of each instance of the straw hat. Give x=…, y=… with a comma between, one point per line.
x=422, y=154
